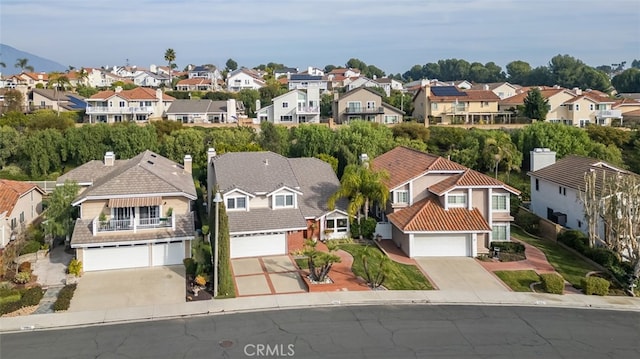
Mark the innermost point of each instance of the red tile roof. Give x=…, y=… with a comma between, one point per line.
x=138, y=93
x=519, y=98
x=11, y=191
x=471, y=95
x=469, y=178
x=428, y=216
x=194, y=81
x=403, y=164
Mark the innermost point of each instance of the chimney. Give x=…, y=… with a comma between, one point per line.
x=364, y=160
x=486, y=87
x=159, y=95
x=541, y=158
x=211, y=153
x=118, y=89
x=258, y=106
x=577, y=91
x=232, y=114
x=109, y=159
x=187, y=163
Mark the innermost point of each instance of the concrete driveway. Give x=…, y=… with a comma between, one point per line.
x=52, y=269
x=460, y=274
x=266, y=275
x=129, y=288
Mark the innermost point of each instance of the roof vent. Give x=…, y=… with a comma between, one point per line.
x=149, y=162
x=266, y=161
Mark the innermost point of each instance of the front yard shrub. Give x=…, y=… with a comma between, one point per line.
x=189, y=266
x=10, y=298
x=508, y=247
x=602, y=256
x=32, y=296
x=574, y=239
x=75, y=267
x=25, y=267
x=22, y=278
x=30, y=247
x=552, y=283
x=366, y=228
x=595, y=285
x=10, y=307
x=64, y=297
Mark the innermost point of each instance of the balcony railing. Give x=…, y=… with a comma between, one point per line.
x=119, y=110
x=133, y=224
x=308, y=109
x=359, y=110
x=609, y=113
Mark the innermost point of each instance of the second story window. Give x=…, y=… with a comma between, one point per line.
x=401, y=197
x=21, y=217
x=371, y=104
x=499, y=202
x=457, y=200
x=285, y=105
x=283, y=200
x=122, y=104
x=236, y=203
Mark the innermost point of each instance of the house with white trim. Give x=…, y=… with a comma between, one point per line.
x=140, y=104
x=244, y=78
x=20, y=205
x=293, y=107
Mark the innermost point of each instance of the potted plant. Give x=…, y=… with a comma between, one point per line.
x=102, y=218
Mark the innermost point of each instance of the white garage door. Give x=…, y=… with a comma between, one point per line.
x=164, y=254
x=259, y=245
x=115, y=257
x=441, y=245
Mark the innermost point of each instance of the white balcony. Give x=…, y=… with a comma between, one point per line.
x=609, y=114
x=132, y=224
x=119, y=110
x=302, y=110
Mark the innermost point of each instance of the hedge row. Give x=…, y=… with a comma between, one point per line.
x=552, y=283
x=28, y=297
x=64, y=297
x=508, y=247
x=595, y=285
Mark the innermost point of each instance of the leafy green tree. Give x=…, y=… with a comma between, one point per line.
x=10, y=138
x=231, y=65
x=326, y=103
x=274, y=138
x=59, y=83
x=170, y=57
x=401, y=100
x=364, y=137
x=40, y=152
x=412, y=131
x=535, y=105
x=608, y=135
x=540, y=76
x=128, y=140
x=249, y=98
x=443, y=140
x=271, y=90
x=86, y=91
x=23, y=64
x=86, y=143
x=13, y=101
x=627, y=81
x=219, y=95
x=60, y=213
x=453, y=69
x=320, y=262
x=123, y=85
x=414, y=73
x=187, y=141
x=329, y=159
x=362, y=186
x=311, y=140
x=329, y=68
x=43, y=119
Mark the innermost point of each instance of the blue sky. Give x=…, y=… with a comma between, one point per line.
x=390, y=34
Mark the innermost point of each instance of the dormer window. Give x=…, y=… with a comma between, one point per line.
x=401, y=197
x=283, y=200
x=457, y=200
x=236, y=203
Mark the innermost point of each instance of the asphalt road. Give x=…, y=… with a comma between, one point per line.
x=420, y=331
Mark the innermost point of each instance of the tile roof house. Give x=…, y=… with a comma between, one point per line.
x=56, y=100
x=205, y=111
x=293, y=107
x=501, y=89
x=272, y=201
x=448, y=104
x=556, y=186
x=363, y=103
x=244, y=78
x=304, y=81
x=20, y=204
x=133, y=213
x=140, y=104
x=438, y=207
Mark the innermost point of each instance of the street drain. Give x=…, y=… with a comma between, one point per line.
x=226, y=344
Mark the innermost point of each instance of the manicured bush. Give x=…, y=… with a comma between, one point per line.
x=30, y=247
x=22, y=278
x=508, y=247
x=366, y=228
x=10, y=298
x=595, y=285
x=574, y=239
x=552, y=283
x=10, y=307
x=64, y=297
x=602, y=256
x=32, y=296
x=75, y=267
x=25, y=267
x=189, y=266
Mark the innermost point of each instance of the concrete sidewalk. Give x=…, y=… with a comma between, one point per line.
x=306, y=300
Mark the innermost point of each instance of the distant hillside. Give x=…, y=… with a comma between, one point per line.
x=9, y=55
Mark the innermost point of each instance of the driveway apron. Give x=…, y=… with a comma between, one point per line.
x=459, y=274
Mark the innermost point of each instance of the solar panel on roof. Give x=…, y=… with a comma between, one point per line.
x=447, y=91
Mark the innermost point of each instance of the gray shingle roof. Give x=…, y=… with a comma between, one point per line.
x=318, y=183
x=197, y=106
x=265, y=220
x=147, y=173
x=82, y=235
x=253, y=172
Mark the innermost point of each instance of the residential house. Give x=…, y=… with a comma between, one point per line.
x=20, y=205
x=293, y=107
x=274, y=202
x=285, y=71
x=55, y=100
x=205, y=111
x=388, y=84
x=101, y=78
x=630, y=111
x=557, y=186
x=195, y=84
x=133, y=213
x=208, y=72
x=147, y=78
x=313, y=71
x=501, y=89
x=303, y=82
x=344, y=72
x=140, y=104
x=362, y=81
x=448, y=104
x=440, y=208
x=364, y=104
x=244, y=78
x=30, y=79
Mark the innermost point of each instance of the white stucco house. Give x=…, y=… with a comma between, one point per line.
x=293, y=107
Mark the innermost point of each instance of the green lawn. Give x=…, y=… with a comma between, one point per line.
x=399, y=276
x=518, y=280
x=570, y=266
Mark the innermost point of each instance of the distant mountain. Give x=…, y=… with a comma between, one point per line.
x=9, y=55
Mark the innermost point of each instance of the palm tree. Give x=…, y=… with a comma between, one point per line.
x=362, y=186
x=23, y=64
x=170, y=57
x=58, y=82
